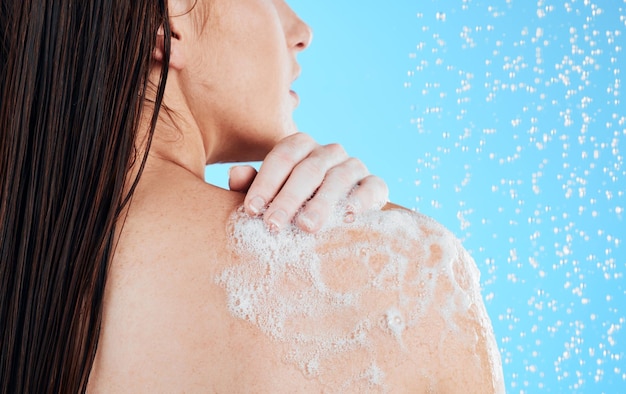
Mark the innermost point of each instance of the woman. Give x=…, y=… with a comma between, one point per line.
x=112, y=192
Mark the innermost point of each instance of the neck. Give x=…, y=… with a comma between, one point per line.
x=177, y=138
x=182, y=146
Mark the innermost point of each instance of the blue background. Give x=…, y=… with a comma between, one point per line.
x=504, y=121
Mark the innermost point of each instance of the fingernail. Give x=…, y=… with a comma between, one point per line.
x=308, y=220
x=257, y=204
x=349, y=217
x=277, y=221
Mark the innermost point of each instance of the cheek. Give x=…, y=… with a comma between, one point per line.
x=241, y=94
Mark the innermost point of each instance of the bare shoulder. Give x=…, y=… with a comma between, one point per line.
x=162, y=327
x=390, y=302
x=202, y=298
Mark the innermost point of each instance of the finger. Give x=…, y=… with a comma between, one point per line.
x=337, y=185
x=303, y=182
x=371, y=193
x=241, y=177
x=275, y=170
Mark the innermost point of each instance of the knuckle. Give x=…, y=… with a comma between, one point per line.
x=300, y=138
x=292, y=149
x=303, y=136
x=336, y=150
x=282, y=155
x=343, y=176
x=358, y=166
x=378, y=183
x=377, y=192
x=313, y=167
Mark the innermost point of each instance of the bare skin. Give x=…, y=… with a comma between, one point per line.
x=167, y=328
x=166, y=324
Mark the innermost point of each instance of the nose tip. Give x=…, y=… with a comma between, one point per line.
x=307, y=35
x=300, y=33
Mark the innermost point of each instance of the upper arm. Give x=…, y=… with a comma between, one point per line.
x=467, y=359
x=448, y=340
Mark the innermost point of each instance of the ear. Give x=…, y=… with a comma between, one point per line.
x=177, y=55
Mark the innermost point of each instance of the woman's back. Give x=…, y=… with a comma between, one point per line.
x=198, y=300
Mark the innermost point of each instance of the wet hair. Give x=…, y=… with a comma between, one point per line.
x=71, y=77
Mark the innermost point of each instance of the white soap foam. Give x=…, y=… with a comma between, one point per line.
x=394, y=322
x=353, y=289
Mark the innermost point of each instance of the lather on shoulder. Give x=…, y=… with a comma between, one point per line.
x=388, y=303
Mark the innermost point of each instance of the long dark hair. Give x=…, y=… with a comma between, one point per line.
x=71, y=77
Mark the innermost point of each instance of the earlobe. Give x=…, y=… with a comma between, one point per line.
x=177, y=56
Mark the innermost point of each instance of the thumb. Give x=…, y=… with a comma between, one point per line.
x=241, y=177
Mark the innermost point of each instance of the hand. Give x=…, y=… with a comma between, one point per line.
x=302, y=179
